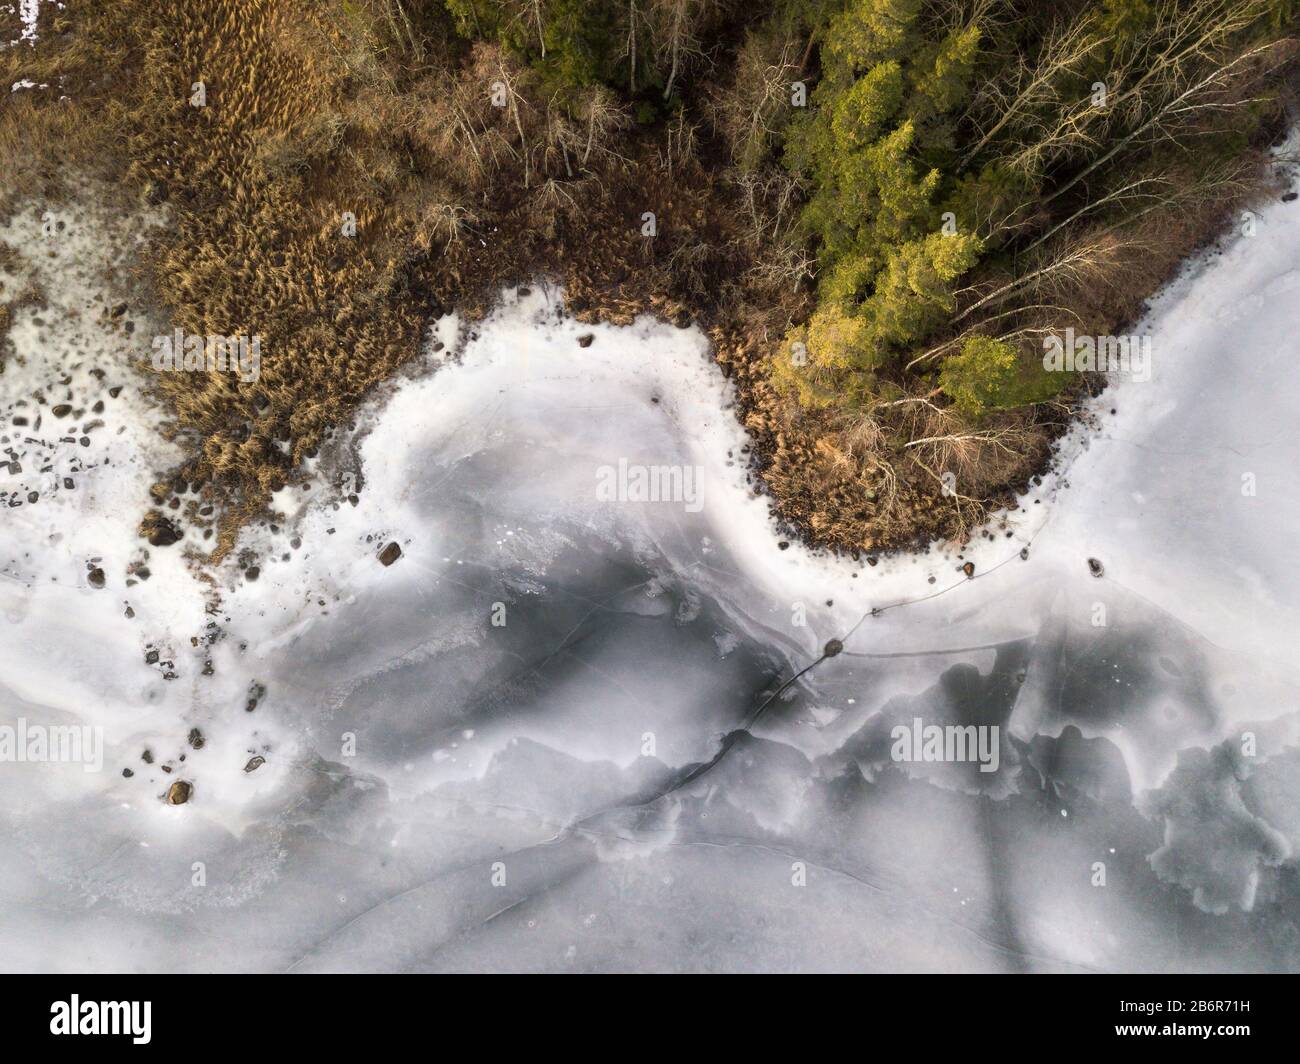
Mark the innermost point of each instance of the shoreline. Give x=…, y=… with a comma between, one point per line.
x=342, y=310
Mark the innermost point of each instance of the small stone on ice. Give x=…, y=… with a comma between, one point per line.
x=161, y=532
x=390, y=554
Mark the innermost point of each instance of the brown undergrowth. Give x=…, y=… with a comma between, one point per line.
x=463, y=171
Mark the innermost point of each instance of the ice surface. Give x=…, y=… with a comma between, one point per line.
x=590, y=784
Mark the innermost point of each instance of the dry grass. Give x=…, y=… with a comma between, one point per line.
x=311, y=110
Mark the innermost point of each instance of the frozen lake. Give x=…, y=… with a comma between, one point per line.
x=545, y=737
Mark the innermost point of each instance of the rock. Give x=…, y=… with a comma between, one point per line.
x=832, y=648
x=1290, y=196
x=127, y=773
x=62, y=410
x=252, y=572
x=1024, y=554
x=1095, y=567
x=969, y=570
x=179, y=792
x=254, y=763
x=118, y=310
x=160, y=531
x=96, y=577
x=585, y=340
x=151, y=657
x=256, y=691
x=147, y=756
x=390, y=554
x=196, y=739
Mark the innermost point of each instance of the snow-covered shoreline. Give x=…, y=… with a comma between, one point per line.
x=470, y=740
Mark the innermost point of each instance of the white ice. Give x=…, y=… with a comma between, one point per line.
x=443, y=792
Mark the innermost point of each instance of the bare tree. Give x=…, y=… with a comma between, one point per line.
x=1033, y=86
x=636, y=25
x=1206, y=94
x=1076, y=262
x=676, y=33
x=748, y=112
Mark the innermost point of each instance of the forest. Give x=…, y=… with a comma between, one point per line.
x=881, y=211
